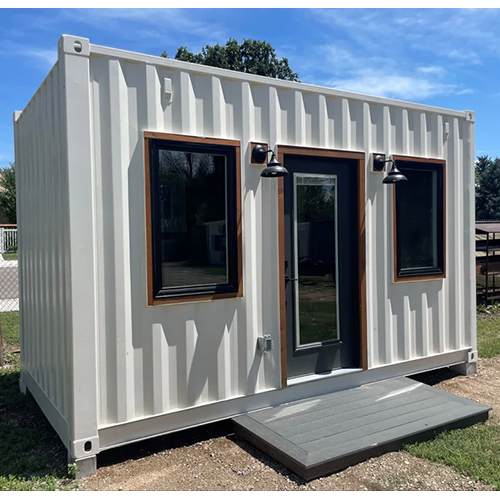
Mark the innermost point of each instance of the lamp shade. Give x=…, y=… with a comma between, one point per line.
x=274, y=168
x=394, y=176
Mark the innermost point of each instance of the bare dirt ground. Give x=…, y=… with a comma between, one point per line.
x=211, y=459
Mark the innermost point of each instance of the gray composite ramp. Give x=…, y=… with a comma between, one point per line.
x=319, y=435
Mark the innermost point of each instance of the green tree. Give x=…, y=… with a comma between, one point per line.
x=482, y=163
x=487, y=188
x=252, y=56
x=8, y=192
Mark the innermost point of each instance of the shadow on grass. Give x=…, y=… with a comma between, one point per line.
x=31, y=454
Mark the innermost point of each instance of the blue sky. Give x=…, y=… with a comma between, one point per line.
x=442, y=57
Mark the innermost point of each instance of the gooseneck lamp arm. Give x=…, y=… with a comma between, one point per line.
x=394, y=175
x=274, y=167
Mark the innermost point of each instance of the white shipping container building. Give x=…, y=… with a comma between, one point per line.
x=165, y=284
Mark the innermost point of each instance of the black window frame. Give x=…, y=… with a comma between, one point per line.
x=406, y=165
x=155, y=143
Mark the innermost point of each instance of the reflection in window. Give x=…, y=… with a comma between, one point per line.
x=193, y=218
x=316, y=288
x=194, y=215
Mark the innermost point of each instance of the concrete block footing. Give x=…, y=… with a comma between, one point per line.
x=465, y=368
x=85, y=466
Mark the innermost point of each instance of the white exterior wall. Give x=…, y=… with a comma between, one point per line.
x=162, y=359
x=55, y=192
x=44, y=249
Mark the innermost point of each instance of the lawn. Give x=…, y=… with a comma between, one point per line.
x=32, y=457
x=488, y=335
x=10, y=327
x=9, y=256
x=474, y=451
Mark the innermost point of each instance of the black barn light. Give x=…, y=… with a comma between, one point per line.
x=274, y=168
x=394, y=175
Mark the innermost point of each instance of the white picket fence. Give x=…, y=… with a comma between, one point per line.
x=8, y=240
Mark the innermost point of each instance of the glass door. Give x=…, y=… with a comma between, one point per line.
x=321, y=265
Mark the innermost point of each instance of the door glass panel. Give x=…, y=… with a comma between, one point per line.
x=315, y=259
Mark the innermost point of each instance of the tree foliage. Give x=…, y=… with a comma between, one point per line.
x=8, y=192
x=315, y=203
x=252, y=56
x=487, y=188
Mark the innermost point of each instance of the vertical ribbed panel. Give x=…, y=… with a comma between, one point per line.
x=43, y=227
x=161, y=359
x=154, y=360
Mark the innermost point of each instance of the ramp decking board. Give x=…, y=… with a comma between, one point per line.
x=360, y=426
x=324, y=434
x=354, y=414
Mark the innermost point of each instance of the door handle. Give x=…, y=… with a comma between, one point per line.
x=287, y=279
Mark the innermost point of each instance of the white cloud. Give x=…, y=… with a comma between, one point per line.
x=153, y=24
x=435, y=70
x=464, y=56
x=393, y=86
x=44, y=59
x=463, y=35
x=47, y=57
x=406, y=54
x=346, y=69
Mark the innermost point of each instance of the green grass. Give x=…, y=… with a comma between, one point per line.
x=10, y=256
x=475, y=451
x=318, y=321
x=488, y=336
x=32, y=457
x=10, y=327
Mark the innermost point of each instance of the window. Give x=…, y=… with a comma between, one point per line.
x=193, y=212
x=420, y=220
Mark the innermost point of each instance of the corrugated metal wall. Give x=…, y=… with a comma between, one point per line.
x=44, y=249
x=153, y=360
x=159, y=359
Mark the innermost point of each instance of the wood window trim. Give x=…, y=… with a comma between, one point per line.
x=151, y=300
x=423, y=277
x=361, y=164
x=252, y=145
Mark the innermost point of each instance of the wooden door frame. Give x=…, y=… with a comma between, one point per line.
x=281, y=151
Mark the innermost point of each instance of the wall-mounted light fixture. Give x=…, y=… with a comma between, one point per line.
x=274, y=167
x=394, y=175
